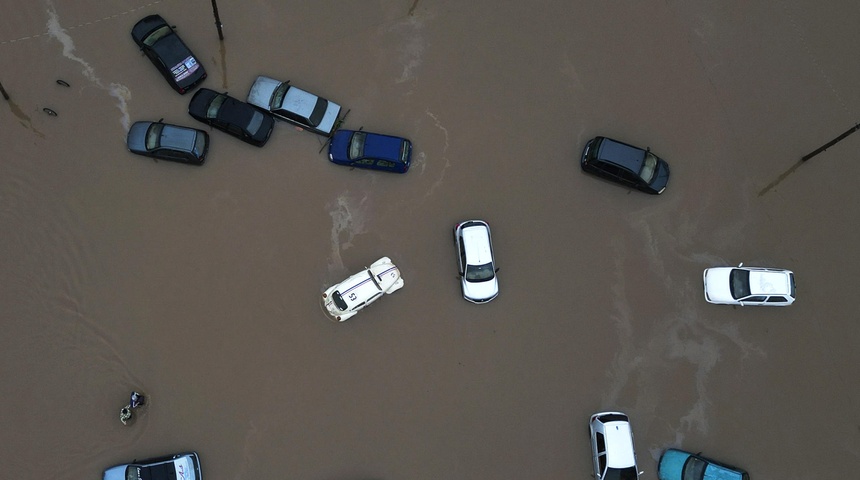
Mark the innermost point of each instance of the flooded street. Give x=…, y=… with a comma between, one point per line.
x=199, y=286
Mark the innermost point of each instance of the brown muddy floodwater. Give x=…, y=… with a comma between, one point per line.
x=199, y=286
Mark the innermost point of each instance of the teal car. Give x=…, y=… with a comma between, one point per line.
x=680, y=465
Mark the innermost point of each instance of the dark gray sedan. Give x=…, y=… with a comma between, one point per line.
x=235, y=117
x=168, y=142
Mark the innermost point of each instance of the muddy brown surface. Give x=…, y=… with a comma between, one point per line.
x=198, y=286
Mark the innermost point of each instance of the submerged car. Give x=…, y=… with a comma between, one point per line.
x=625, y=164
x=182, y=466
x=345, y=299
x=370, y=150
x=168, y=142
x=168, y=53
x=749, y=286
x=612, y=448
x=233, y=116
x=478, y=278
x=294, y=105
x=679, y=465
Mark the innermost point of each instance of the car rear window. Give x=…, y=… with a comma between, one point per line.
x=612, y=417
x=319, y=112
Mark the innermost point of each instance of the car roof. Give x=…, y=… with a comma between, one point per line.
x=621, y=154
x=619, y=444
x=476, y=241
x=178, y=138
x=299, y=101
x=361, y=284
x=381, y=146
x=769, y=282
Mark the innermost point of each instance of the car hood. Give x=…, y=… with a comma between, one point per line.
x=262, y=90
x=146, y=25
x=136, y=139
x=115, y=473
x=481, y=291
x=717, y=287
x=387, y=275
x=671, y=464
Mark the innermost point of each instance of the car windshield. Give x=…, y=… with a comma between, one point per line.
x=132, y=473
x=156, y=35
x=153, y=136
x=212, y=111
x=480, y=273
x=694, y=469
x=649, y=167
x=278, y=96
x=739, y=282
x=319, y=112
x=256, y=121
x=338, y=300
x=356, y=145
x=628, y=473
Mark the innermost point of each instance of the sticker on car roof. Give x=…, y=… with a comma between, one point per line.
x=185, y=68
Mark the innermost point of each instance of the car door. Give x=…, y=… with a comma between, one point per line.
x=461, y=253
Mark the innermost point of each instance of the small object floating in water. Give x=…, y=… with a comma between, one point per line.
x=63, y=83
x=49, y=112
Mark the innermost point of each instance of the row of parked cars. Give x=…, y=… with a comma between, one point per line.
x=614, y=456
x=253, y=120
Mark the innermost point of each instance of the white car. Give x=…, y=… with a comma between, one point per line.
x=345, y=299
x=612, y=447
x=475, y=257
x=749, y=286
x=294, y=105
x=182, y=466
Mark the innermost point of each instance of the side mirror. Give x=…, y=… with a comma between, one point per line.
x=497, y=269
x=741, y=264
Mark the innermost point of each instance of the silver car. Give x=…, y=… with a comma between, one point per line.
x=294, y=105
x=168, y=142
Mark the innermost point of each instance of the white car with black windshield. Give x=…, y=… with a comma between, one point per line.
x=476, y=261
x=772, y=287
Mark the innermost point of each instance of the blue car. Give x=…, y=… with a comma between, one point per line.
x=370, y=150
x=679, y=465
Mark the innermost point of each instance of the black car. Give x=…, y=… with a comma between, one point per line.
x=625, y=164
x=168, y=142
x=235, y=117
x=170, y=56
